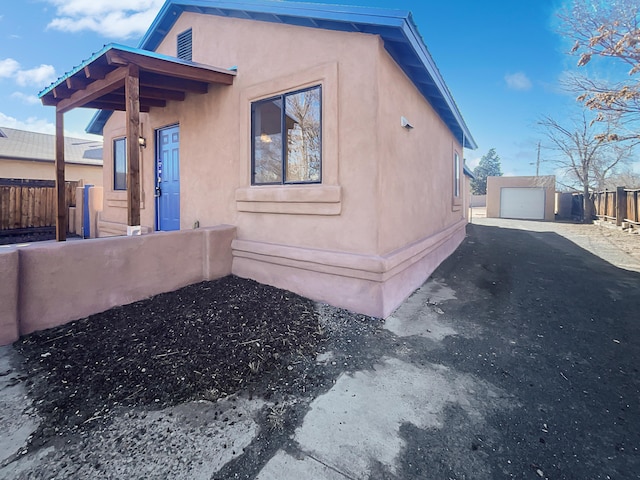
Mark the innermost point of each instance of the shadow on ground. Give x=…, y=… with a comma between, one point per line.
x=517, y=359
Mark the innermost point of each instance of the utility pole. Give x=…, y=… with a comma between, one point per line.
x=538, y=162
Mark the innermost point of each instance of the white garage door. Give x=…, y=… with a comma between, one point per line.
x=527, y=203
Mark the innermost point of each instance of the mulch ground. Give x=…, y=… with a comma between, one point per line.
x=203, y=341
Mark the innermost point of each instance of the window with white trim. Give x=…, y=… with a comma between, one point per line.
x=120, y=164
x=456, y=175
x=286, y=138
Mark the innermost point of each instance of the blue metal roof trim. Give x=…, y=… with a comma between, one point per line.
x=74, y=70
x=98, y=121
x=468, y=172
x=124, y=48
x=396, y=27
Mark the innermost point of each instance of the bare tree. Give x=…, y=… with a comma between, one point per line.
x=584, y=154
x=607, y=164
x=607, y=29
x=624, y=178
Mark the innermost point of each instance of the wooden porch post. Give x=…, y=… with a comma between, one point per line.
x=132, y=94
x=61, y=203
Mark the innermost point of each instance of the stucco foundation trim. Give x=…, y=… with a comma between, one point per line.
x=372, y=267
x=370, y=284
x=307, y=200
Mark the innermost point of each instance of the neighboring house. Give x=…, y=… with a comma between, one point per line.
x=30, y=155
x=324, y=133
x=528, y=198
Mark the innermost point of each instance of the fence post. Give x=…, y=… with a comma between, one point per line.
x=621, y=205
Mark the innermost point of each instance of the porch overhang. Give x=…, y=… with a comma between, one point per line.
x=99, y=81
x=131, y=80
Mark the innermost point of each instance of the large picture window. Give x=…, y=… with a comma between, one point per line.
x=286, y=138
x=120, y=164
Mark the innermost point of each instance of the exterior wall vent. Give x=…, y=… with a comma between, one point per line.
x=185, y=45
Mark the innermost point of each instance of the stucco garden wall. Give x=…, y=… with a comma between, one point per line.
x=49, y=284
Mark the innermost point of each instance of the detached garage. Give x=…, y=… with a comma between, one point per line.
x=528, y=198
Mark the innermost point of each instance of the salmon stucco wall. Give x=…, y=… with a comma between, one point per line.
x=416, y=165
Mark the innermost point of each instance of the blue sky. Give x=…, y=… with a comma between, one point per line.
x=502, y=61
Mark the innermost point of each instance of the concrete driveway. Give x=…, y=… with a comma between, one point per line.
x=517, y=359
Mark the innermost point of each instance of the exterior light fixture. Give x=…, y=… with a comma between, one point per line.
x=404, y=123
x=142, y=142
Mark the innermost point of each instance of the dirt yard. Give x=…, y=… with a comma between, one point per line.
x=218, y=376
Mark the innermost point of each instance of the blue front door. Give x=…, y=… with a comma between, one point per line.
x=168, y=178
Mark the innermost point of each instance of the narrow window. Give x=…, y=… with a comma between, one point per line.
x=120, y=164
x=287, y=138
x=456, y=175
x=185, y=45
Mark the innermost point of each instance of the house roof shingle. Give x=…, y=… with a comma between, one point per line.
x=25, y=145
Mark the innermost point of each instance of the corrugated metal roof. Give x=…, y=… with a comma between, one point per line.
x=396, y=28
x=124, y=48
x=25, y=145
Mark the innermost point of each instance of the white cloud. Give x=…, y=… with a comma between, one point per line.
x=518, y=81
x=8, y=67
x=111, y=18
x=27, y=99
x=31, y=124
x=473, y=163
x=38, y=76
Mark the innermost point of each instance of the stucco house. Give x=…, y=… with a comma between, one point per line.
x=324, y=133
x=30, y=155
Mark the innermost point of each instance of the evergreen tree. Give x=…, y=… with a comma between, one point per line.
x=489, y=166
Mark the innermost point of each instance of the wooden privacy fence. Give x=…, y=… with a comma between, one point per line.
x=619, y=205
x=31, y=203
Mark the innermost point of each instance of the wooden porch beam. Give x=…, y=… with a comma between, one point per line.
x=118, y=107
x=96, y=72
x=75, y=83
x=172, y=83
x=132, y=100
x=119, y=98
x=61, y=92
x=201, y=73
x=95, y=90
x=61, y=204
x=150, y=92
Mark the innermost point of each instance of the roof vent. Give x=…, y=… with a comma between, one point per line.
x=185, y=45
x=2, y=134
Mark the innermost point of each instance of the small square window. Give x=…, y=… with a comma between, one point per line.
x=286, y=138
x=120, y=164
